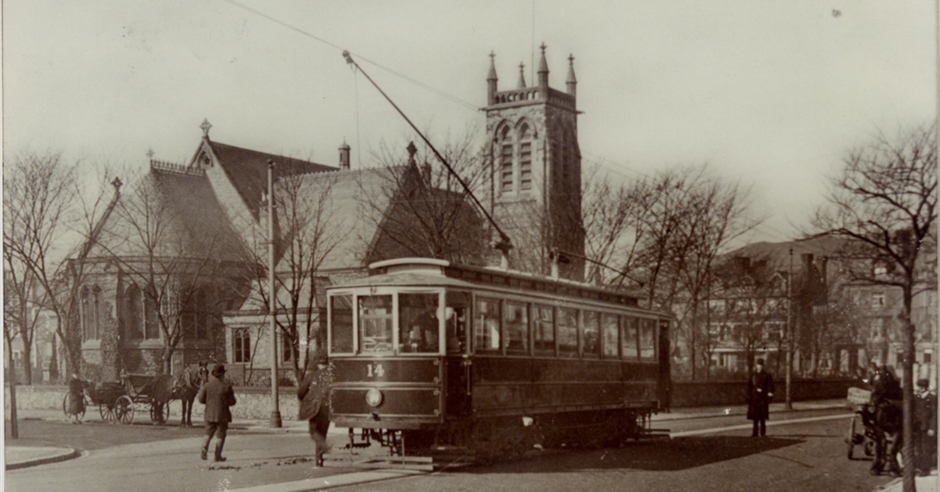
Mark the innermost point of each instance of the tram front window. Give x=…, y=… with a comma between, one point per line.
x=375, y=324
x=419, y=324
x=341, y=322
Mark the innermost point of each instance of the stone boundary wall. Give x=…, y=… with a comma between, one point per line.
x=735, y=392
x=253, y=402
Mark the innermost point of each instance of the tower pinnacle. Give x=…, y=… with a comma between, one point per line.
x=572, y=82
x=521, y=76
x=491, y=81
x=543, y=73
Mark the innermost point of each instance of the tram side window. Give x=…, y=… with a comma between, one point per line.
x=628, y=344
x=543, y=334
x=591, y=334
x=647, y=339
x=486, y=325
x=341, y=323
x=516, y=322
x=567, y=332
x=375, y=324
x=417, y=320
x=611, y=330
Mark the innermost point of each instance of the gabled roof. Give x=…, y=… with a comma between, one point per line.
x=357, y=200
x=192, y=218
x=247, y=169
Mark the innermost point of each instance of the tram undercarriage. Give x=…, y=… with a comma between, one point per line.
x=485, y=440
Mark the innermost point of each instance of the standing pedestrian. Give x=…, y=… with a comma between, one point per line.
x=925, y=427
x=314, y=395
x=760, y=390
x=76, y=399
x=217, y=395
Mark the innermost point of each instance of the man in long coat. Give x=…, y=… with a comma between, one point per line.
x=314, y=395
x=217, y=395
x=760, y=390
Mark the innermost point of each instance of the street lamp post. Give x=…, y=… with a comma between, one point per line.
x=272, y=305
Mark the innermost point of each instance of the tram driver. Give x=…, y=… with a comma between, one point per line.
x=423, y=336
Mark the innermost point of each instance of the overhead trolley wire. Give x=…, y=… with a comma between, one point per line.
x=308, y=34
x=505, y=244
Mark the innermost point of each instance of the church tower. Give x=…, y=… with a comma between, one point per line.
x=535, y=185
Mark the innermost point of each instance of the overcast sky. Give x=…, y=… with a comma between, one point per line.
x=768, y=92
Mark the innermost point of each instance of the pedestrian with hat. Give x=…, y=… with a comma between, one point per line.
x=760, y=390
x=217, y=395
x=925, y=427
x=314, y=395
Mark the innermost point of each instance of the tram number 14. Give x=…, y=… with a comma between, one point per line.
x=375, y=370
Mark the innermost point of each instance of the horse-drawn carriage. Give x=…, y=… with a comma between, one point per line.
x=862, y=427
x=118, y=401
x=872, y=422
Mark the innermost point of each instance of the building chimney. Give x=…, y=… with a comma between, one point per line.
x=344, y=156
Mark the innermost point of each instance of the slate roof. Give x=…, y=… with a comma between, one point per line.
x=191, y=214
x=247, y=170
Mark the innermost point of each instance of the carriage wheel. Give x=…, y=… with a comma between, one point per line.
x=156, y=417
x=66, y=403
x=850, y=439
x=124, y=409
x=107, y=413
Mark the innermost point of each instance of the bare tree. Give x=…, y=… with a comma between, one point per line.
x=609, y=219
x=48, y=208
x=174, y=252
x=885, y=201
x=421, y=209
x=307, y=231
x=682, y=218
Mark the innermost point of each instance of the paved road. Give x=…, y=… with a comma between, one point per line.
x=713, y=453
x=808, y=456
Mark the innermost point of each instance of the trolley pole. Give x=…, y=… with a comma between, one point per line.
x=272, y=304
x=789, y=403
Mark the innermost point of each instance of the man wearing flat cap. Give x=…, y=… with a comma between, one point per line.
x=760, y=390
x=217, y=395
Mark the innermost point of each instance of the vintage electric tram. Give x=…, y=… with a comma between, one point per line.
x=431, y=355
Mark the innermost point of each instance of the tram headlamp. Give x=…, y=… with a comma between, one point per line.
x=374, y=397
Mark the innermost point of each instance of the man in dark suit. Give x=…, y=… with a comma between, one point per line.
x=760, y=390
x=314, y=395
x=217, y=395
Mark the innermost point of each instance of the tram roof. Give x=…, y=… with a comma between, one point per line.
x=429, y=271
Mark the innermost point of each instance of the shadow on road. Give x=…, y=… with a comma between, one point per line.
x=93, y=435
x=664, y=455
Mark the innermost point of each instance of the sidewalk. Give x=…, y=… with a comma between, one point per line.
x=923, y=484
x=729, y=410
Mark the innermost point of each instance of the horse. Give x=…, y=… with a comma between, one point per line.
x=886, y=416
x=186, y=387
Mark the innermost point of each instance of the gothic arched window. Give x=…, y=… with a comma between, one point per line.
x=87, y=312
x=98, y=313
x=151, y=321
x=133, y=313
x=504, y=146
